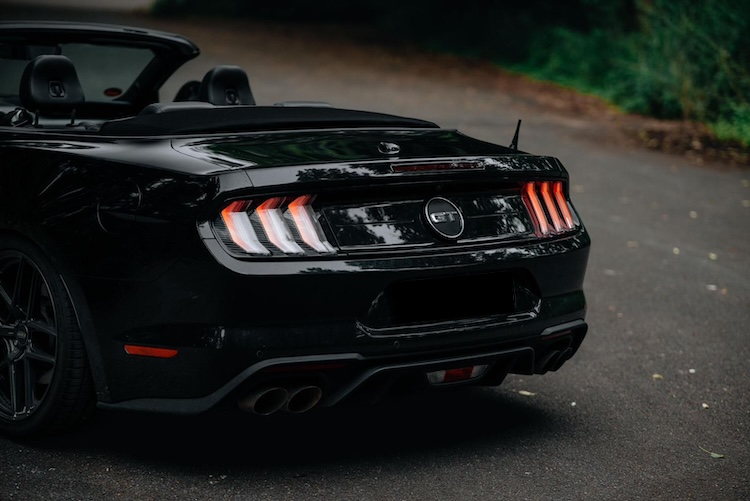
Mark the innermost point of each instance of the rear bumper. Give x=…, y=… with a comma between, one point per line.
x=353, y=376
x=326, y=323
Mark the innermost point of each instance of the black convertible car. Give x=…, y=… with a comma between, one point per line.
x=179, y=253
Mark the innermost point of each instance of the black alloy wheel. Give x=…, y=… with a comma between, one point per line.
x=45, y=384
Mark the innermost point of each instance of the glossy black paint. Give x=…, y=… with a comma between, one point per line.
x=126, y=235
x=133, y=226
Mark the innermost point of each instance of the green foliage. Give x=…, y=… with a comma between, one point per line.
x=665, y=58
x=734, y=126
x=693, y=55
x=685, y=60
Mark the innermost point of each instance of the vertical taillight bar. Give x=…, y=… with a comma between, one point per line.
x=275, y=227
x=304, y=219
x=240, y=228
x=286, y=227
x=563, y=205
x=557, y=217
x=536, y=208
x=551, y=209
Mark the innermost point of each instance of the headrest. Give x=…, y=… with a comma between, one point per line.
x=50, y=84
x=226, y=85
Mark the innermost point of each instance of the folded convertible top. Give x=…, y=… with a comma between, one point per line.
x=209, y=119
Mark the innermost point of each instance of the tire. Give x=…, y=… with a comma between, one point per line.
x=45, y=381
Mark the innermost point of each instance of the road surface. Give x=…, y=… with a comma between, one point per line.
x=656, y=404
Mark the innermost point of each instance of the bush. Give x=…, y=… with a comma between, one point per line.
x=665, y=58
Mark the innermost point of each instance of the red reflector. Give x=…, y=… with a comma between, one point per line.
x=458, y=374
x=455, y=375
x=150, y=351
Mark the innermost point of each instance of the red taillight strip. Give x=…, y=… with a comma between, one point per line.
x=563, y=205
x=551, y=210
x=536, y=208
x=307, y=224
x=275, y=227
x=244, y=226
x=557, y=218
x=240, y=228
x=150, y=351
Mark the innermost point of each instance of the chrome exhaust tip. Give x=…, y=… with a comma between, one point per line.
x=302, y=399
x=264, y=401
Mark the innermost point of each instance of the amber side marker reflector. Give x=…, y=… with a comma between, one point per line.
x=150, y=351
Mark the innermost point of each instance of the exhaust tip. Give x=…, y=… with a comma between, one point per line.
x=564, y=356
x=302, y=399
x=264, y=401
x=547, y=362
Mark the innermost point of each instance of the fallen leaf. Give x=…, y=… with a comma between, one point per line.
x=526, y=393
x=714, y=455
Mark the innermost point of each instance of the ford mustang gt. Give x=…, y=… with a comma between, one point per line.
x=182, y=253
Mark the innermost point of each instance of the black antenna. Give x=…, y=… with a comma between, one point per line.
x=514, y=143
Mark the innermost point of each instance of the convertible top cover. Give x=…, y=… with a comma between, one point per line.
x=210, y=119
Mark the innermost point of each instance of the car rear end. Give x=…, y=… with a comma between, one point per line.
x=328, y=281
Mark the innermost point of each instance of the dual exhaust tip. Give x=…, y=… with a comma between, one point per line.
x=552, y=360
x=268, y=400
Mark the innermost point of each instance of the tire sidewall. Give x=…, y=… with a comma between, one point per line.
x=44, y=418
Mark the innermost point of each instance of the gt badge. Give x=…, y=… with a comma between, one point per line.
x=444, y=217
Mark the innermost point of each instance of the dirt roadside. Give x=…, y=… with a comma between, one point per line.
x=347, y=46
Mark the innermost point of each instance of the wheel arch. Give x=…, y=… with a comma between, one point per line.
x=48, y=249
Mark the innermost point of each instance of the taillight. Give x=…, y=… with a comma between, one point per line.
x=548, y=207
x=276, y=226
x=240, y=228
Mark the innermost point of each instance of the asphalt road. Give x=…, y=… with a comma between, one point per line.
x=660, y=383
